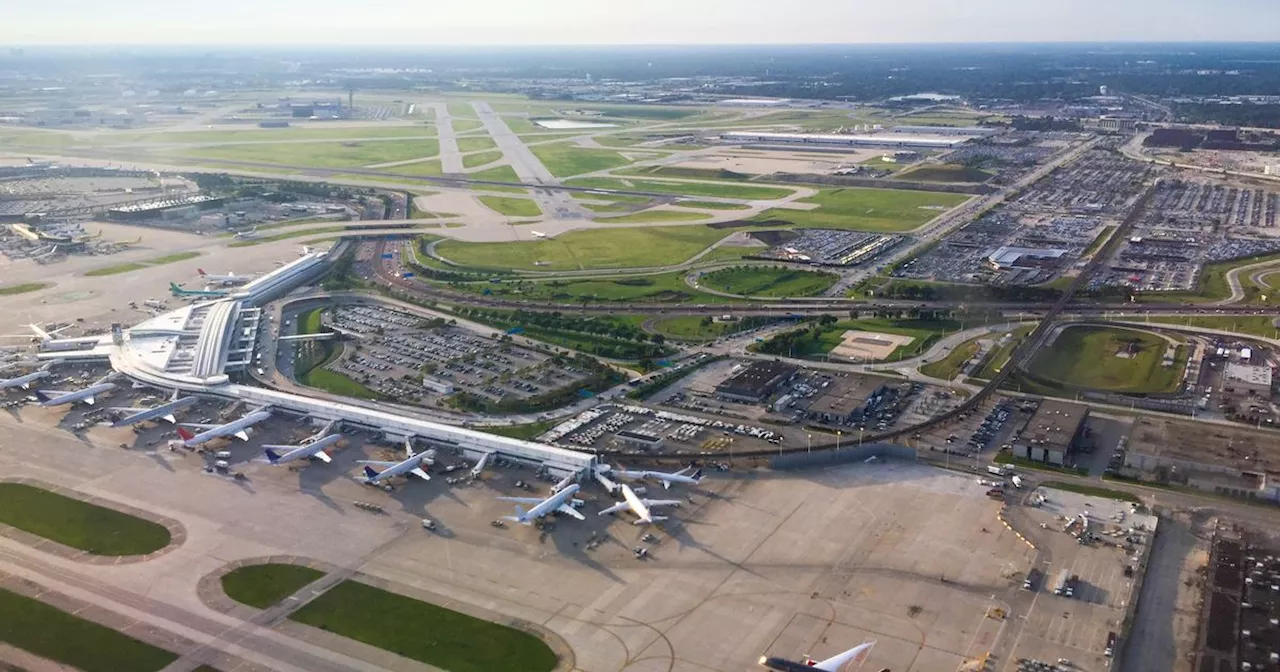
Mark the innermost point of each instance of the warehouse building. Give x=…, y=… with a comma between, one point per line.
x=1053, y=432
x=1008, y=257
x=756, y=383
x=1245, y=380
x=1233, y=461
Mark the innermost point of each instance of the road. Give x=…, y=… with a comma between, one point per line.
x=1255, y=273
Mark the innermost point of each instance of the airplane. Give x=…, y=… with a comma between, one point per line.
x=164, y=411
x=87, y=395
x=561, y=501
x=835, y=663
x=480, y=464
x=412, y=464
x=639, y=506
x=179, y=291
x=228, y=280
x=234, y=428
x=243, y=235
x=313, y=448
x=539, y=234
x=688, y=475
x=155, y=303
x=25, y=381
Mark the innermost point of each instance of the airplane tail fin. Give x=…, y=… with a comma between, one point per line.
x=369, y=472
x=201, y=271
x=696, y=475
x=41, y=396
x=272, y=456
x=185, y=434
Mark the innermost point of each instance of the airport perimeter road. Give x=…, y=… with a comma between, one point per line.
x=556, y=204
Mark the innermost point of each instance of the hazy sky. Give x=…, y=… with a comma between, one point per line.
x=485, y=22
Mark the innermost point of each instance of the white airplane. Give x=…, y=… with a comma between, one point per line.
x=480, y=464
x=688, y=475
x=410, y=465
x=237, y=428
x=40, y=336
x=639, y=506
x=835, y=663
x=164, y=411
x=561, y=501
x=538, y=234
x=243, y=235
x=228, y=280
x=25, y=381
x=88, y=395
x=314, y=449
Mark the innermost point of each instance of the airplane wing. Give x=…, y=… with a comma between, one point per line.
x=377, y=463
x=88, y=400
x=323, y=457
x=130, y=411
x=834, y=663
x=661, y=502
x=242, y=435
x=420, y=474
x=565, y=508
x=55, y=393
x=620, y=506
x=521, y=500
x=196, y=425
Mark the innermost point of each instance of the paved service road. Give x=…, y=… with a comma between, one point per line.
x=450, y=157
x=555, y=204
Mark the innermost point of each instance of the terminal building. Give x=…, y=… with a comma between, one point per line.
x=1007, y=257
x=1052, y=433
x=196, y=349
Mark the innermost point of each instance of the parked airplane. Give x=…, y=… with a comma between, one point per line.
x=639, y=506
x=561, y=501
x=176, y=290
x=835, y=663
x=60, y=397
x=688, y=475
x=228, y=280
x=251, y=233
x=412, y=464
x=314, y=449
x=25, y=381
x=538, y=234
x=237, y=428
x=164, y=411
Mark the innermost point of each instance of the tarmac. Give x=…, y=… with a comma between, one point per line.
x=756, y=562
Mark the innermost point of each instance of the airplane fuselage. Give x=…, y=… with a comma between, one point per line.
x=309, y=450
x=229, y=429
x=79, y=395
x=549, y=504
x=153, y=413
x=23, y=381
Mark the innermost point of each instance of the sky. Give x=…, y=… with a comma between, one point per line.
x=604, y=22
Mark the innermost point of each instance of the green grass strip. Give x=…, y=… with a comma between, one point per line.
x=71, y=522
x=263, y=586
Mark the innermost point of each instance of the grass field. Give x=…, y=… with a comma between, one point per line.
x=171, y=258
x=480, y=158
x=320, y=154
x=116, y=269
x=80, y=525
x=10, y=290
x=768, y=281
x=429, y=168
x=704, y=189
x=461, y=110
x=526, y=432
x=946, y=172
x=593, y=248
x=656, y=215
x=424, y=632
x=497, y=174
x=241, y=134
x=39, y=628
x=565, y=159
x=949, y=367
x=265, y=585
x=1093, y=491
x=690, y=328
x=337, y=383
x=1089, y=357
x=464, y=125
x=476, y=143
x=999, y=356
x=512, y=207
x=879, y=210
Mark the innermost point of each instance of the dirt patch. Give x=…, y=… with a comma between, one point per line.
x=774, y=238
x=869, y=345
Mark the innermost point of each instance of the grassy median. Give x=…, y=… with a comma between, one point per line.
x=425, y=632
x=81, y=525
x=265, y=585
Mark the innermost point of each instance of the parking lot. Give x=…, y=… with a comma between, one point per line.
x=637, y=430
x=421, y=361
x=828, y=247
